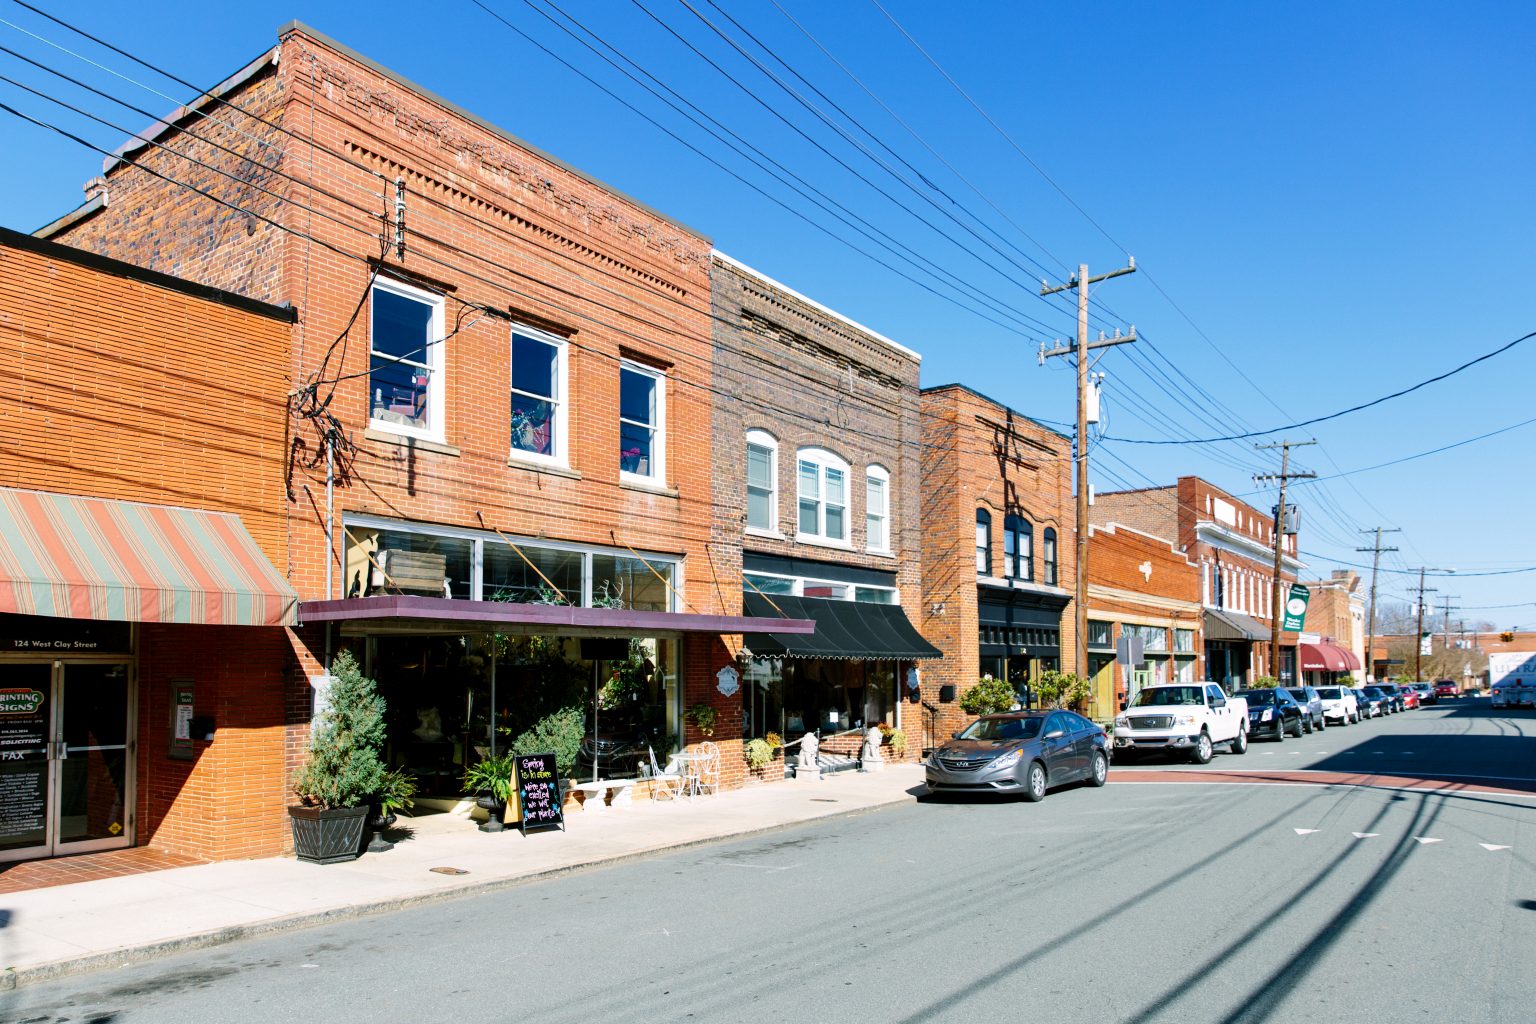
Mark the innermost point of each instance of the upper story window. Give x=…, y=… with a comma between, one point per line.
x=405, y=363
x=877, y=508
x=762, y=481
x=1018, y=548
x=983, y=542
x=539, y=395
x=642, y=421
x=1048, y=555
x=823, y=496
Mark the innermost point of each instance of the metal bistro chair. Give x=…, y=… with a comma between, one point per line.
x=706, y=777
x=668, y=782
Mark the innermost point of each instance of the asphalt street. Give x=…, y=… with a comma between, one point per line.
x=1144, y=902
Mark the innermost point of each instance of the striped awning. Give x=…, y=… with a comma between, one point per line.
x=90, y=558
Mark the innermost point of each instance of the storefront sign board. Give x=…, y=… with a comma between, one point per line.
x=537, y=782
x=1296, y=607
x=23, y=766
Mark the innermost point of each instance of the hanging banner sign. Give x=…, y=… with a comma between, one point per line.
x=1296, y=607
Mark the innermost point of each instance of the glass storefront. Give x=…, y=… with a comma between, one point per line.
x=793, y=696
x=453, y=699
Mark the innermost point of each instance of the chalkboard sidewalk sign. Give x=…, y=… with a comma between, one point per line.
x=538, y=793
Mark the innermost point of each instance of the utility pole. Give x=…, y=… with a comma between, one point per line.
x=1418, y=633
x=1446, y=622
x=1376, y=553
x=1277, y=602
x=1081, y=283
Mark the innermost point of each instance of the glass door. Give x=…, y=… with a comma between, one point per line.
x=26, y=762
x=65, y=758
x=91, y=751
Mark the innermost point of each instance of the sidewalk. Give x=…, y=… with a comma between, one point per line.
x=66, y=929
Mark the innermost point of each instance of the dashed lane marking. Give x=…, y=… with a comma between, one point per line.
x=1304, y=831
x=1365, y=835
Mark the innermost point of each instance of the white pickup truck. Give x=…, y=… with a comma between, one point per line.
x=1184, y=718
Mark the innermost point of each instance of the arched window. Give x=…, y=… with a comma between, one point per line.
x=1048, y=553
x=983, y=542
x=823, y=496
x=1018, y=548
x=762, y=481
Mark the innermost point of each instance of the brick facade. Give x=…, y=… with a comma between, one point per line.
x=505, y=234
x=1142, y=581
x=979, y=454
x=1228, y=540
x=130, y=388
x=807, y=377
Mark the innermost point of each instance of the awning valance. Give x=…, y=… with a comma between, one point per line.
x=1323, y=657
x=844, y=629
x=1227, y=625
x=92, y=558
x=408, y=613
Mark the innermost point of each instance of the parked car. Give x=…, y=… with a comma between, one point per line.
x=1408, y=695
x=1310, y=703
x=1339, y=704
x=1426, y=692
x=1273, y=713
x=1446, y=688
x=1377, y=700
x=1023, y=752
x=1395, y=692
x=1189, y=718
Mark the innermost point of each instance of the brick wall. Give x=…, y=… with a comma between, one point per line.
x=979, y=454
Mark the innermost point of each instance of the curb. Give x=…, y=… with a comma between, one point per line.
x=13, y=978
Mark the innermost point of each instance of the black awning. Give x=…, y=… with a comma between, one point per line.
x=844, y=629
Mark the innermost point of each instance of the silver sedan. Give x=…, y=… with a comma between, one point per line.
x=1026, y=752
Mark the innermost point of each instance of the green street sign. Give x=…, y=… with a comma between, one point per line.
x=1296, y=608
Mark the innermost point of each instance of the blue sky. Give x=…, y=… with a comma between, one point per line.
x=1328, y=203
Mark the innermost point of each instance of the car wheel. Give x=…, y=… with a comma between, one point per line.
x=1034, y=783
x=1099, y=774
x=1297, y=731
x=1306, y=726
x=1279, y=730
x=1322, y=722
x=1239, y=744
x=1202, y=752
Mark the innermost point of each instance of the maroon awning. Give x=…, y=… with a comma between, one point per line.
x=1321, y=657
x=414, y=614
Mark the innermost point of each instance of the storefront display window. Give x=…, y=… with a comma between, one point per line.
x=793, y=696
x=510, y=577
x=1184, y=640
x=630, y=583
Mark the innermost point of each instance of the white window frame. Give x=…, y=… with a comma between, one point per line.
x=823, y=460
x=799, y=583
x=433, y=362
x=657, y=477
x=873, y=474
x=763, y=439
x=560, y=454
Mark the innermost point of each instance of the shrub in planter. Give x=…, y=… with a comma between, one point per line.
x=988, y=697
x=344, y=770
x=758, y=754
x=559, y=731
x=898, y=741
x=492, y=776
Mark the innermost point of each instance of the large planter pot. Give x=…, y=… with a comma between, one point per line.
x=496, y=810
x=327, y=836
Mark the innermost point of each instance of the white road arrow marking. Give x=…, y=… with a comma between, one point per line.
x=1492, y=848
x=1365, y=835
x=1303, y=831
x=1425, y=840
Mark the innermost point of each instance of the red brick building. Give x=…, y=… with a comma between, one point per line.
x=1331, y=644
x=1143, y=587
x=829, y=526
x=1232, y=544
x=501, y=426
x=999, y=557
x=143, y=543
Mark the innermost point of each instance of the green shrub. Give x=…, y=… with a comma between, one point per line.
x=493, y=774
x=758, y=754
x=988, y=697
x=702, y=716
x=1061, y=689
x=344, y=768
x=898, y=741
x=559, y=731
x=1265, y=683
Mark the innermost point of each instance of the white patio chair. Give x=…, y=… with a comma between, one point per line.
x=666, y=782
x=707, y=770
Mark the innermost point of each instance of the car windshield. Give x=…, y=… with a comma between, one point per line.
x=1330, y=693
x=1002, y=729
x=1257, y=696
x=1299, y=694
x=1374, y=691
x=1163, y=696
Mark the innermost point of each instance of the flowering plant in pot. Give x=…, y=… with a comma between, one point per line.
x=344, y=770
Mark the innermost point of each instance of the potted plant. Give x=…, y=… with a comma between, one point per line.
x=703, y=718
x=397, y=793
x=491, y=777
x=758, y=754
x=989, y=696
x=343, y=771
x=897, y=739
